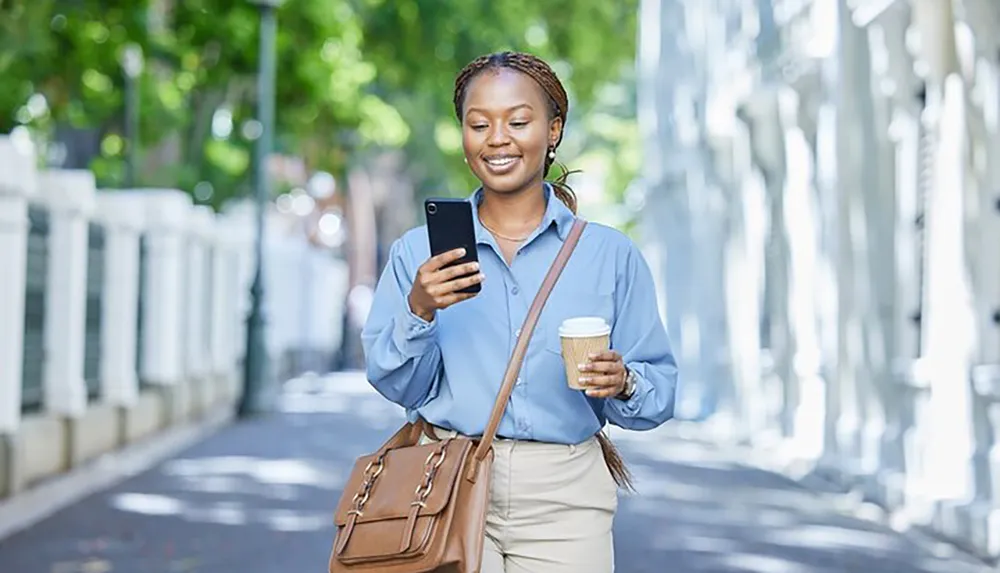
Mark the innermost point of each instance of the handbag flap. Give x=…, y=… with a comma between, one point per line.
x=404, y=469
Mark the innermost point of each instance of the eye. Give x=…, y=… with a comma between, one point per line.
x=478, y=126
x=518, y=123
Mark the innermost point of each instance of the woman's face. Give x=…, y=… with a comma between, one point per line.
x=506, y=130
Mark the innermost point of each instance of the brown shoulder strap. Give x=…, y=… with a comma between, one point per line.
x=517, y=358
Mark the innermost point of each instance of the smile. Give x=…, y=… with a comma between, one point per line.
x=501, y=164
x=500, y=161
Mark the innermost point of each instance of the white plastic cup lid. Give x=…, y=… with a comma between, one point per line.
x=584, y=326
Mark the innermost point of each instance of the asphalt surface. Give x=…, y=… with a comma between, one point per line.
x=257, y=497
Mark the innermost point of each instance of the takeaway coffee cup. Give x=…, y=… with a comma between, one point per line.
x=580, y=336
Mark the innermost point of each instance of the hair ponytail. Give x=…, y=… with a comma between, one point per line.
x=616, y=463
x=565, y=194
x=561, y=188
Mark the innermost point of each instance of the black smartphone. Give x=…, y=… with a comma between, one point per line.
x=450, y=226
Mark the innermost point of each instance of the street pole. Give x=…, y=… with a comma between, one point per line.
x=259, y=392
x=132, y=64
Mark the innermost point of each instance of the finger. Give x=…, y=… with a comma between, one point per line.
x=455, y=298
x=603, y=392
x=456, y=285
x=445, y=275
x=601, y=381
x=435, y=263
x=605, y=356
x=601, y=367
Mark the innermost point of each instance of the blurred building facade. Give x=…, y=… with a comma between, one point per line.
x=836, y=164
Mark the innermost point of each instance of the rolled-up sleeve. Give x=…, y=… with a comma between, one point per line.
x=402, y=357
x=642, y=340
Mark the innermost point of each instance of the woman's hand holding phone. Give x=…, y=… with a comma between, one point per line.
x=436, y=287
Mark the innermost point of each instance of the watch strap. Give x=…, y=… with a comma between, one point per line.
x=630, y=385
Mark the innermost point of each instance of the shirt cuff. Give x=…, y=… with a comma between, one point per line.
x=413, y=334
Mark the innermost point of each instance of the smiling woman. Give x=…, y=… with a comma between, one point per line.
x=507, y=130
x=555, y=475
x=524, y=93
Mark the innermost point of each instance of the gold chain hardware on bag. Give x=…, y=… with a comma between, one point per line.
x=424, y=489
x=361, y=497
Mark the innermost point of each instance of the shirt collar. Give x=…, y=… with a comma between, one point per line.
x=556, y=213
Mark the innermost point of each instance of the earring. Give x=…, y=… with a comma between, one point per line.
x=466, y=160
x=552, y=154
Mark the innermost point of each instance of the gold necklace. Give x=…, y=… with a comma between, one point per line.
x=504, y=237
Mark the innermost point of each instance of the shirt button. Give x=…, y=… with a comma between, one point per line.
x=514, y=290
x=517, y=332
x=519, y=381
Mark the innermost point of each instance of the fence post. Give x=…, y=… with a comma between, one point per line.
x=197, y=352
x=225, y=315
x=69, y=197
x=17, y=184
x=166, y=211
x=123, y=220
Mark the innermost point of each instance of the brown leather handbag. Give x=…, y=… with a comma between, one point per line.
x=411, y=508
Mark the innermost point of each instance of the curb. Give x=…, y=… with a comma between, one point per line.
x=42, y=500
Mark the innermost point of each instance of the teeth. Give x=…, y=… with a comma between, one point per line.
x=501, y=161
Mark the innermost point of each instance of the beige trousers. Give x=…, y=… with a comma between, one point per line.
x=551, y=509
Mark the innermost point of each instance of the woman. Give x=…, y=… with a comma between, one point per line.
x=441, y=354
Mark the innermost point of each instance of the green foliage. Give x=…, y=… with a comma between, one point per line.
x=352, y=76
x=590, y=43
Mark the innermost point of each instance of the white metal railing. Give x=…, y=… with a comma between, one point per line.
x=189, y=299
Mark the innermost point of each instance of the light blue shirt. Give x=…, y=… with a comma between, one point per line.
x=449, y=370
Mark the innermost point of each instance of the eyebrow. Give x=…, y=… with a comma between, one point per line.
x=512, y=108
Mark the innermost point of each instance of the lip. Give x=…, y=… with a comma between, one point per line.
x=507, y=163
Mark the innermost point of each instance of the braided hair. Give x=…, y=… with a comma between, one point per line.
x=547, y=79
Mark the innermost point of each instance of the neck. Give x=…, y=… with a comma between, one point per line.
x=515, y=213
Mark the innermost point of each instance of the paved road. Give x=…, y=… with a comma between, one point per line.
x=257, y=498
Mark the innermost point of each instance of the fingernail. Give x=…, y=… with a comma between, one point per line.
x=584, y=380
x=581, y=366
x=592, y=355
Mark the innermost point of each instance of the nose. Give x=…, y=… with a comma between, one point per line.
x=498, y=136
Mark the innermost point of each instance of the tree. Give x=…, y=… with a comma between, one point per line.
x=590, y=44
x=354, y=77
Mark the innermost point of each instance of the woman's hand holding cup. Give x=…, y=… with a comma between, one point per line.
x=436, y=287
x=603, y=375
x=591, y=364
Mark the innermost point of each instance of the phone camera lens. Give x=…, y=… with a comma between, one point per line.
x=432, y=208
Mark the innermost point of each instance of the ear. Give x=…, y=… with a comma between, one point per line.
x=555, y=131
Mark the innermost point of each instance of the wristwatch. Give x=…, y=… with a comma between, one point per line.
x=629, y=389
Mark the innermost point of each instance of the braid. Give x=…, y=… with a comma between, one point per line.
x=546, y=78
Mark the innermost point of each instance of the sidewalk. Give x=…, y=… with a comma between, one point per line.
x=258, y=497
